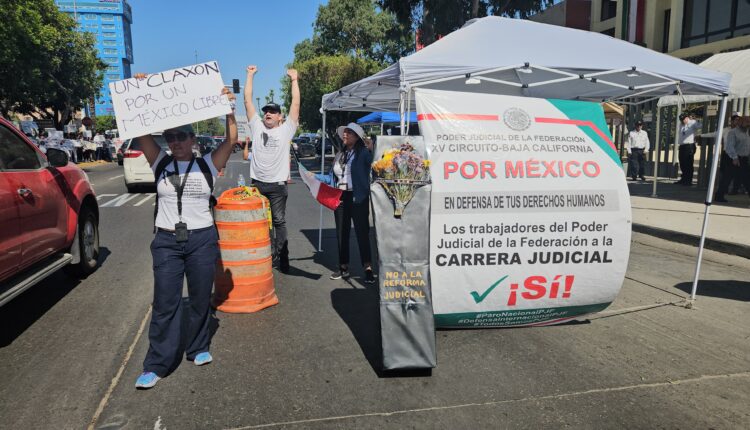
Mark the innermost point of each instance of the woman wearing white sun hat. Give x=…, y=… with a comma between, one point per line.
x=351, y=174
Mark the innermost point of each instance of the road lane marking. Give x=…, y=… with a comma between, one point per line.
x=118, y=375
x=665, y=383
x=115, y=177
x=100, y=196
x=145, y=199
x=119, y=201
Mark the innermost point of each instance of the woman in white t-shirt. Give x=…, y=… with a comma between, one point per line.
x=185, y=245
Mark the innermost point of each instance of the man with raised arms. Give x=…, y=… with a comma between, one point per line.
x=269, y=163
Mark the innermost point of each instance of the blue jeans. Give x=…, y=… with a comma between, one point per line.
x=195, y=259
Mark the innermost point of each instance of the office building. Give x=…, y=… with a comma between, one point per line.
x=109, y=21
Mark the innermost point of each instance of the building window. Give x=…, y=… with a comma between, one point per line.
x=90, y=16
x=609, y=32
x=113, y=77
x=108, y=18
x=706, y=21
x=109, y=43
x=111, y=60
x=108, y=26
x=114, y=69
x=609, y=9
x=110, y=51
x=109, y=34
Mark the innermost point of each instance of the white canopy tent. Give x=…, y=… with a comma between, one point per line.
x=523, y=58
x=735, y=63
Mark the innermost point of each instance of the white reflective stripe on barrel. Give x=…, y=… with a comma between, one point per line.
x=222, y=215
x=246, y=254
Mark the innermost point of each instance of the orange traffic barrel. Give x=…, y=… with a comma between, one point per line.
x=244, y=276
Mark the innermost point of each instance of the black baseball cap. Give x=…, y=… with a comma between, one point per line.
x=273, y=107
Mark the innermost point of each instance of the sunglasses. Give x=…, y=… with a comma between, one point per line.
x=172, y=137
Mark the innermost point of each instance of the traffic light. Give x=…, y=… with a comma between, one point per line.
x=236, y=86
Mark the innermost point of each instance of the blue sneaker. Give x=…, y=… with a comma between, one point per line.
x=146, y=380
x=203, y=358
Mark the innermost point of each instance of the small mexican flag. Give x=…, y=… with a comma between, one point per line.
x=325, y=194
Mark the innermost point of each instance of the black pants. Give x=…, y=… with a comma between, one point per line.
x=195, y=259
x=637, y=165
x=347, y=212
x=740, y=174
x=687, y=156
x=276, y=193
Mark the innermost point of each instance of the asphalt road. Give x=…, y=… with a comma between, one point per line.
x=71, y=350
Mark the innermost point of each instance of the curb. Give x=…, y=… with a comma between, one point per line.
x=693, y=240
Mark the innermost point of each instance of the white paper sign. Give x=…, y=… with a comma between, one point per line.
x=243, y=129
x=168, y=99
x=530, y=218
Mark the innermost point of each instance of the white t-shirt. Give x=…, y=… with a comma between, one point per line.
x=195, y=197
x=270, y=151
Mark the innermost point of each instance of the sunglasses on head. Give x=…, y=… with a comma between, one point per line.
x=179, y=136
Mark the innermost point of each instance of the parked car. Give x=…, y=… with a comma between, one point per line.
x=136, y=169
x=48, y=213
x=305, y=148
x=206, y=144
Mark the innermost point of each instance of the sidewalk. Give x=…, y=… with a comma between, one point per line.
x=676, y=214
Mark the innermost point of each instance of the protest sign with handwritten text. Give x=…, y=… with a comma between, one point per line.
x=168, y=99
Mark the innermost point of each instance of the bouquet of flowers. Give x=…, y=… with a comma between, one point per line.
x=400, y=172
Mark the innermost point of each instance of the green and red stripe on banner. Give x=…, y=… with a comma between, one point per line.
x=597, y=129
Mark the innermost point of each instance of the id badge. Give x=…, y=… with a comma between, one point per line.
x=181, y=232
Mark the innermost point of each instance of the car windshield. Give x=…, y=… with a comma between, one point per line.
x=135, y=145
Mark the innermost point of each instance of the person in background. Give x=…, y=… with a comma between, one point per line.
x=350, y=172
x=638, y=144
x=737, y=151
x=687, y=147
x=185, y=245
x=246, y=149
x=269, y=162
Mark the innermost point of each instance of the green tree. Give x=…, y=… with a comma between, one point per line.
x=360, y=29
x=48, y=68
x=351, y=39
x=435, y=18
x=322, y=75
x=104, y=122
x=269, y=96
x=210, y=127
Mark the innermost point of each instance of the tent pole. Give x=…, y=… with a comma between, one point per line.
x=656, y=151
x=322, y=171
x=709, y=197
x=401, y=113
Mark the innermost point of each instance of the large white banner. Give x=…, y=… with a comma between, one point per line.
x=168, y=99
x=530, y=219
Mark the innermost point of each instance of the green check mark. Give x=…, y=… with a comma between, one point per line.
x=478, y=299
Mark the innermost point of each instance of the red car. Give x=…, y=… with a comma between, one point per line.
x=48, y=213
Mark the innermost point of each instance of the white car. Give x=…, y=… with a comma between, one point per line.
x=135, y=167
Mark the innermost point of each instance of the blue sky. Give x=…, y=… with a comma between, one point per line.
x=236, y=33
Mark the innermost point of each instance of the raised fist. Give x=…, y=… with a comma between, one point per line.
x=251, y=70
x=140, y=76
x=292, y=73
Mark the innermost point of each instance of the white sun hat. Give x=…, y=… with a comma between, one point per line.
x=353, y=127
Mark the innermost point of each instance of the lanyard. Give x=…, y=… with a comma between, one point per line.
x=181, y=188
x=344, y=161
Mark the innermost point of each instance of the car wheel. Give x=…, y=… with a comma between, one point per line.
x=132, y=188
x=88, y=243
